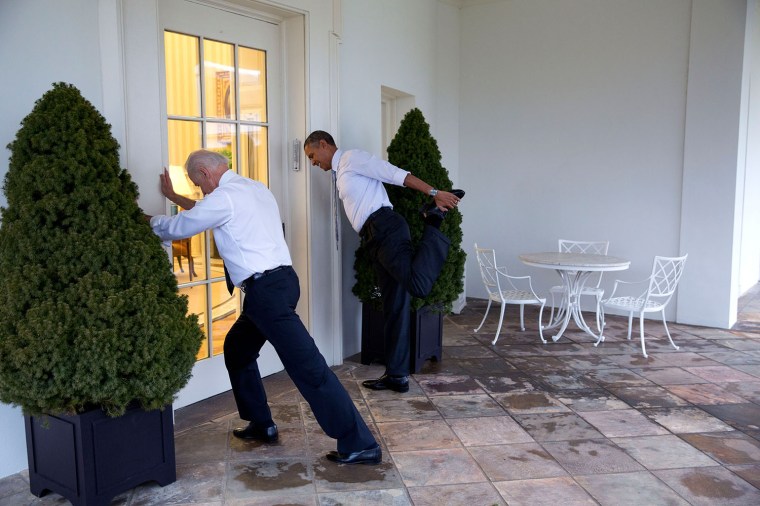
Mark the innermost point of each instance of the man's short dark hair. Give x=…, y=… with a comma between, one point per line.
x=319, y=135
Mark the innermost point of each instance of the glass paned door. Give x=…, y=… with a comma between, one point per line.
x=216, y=99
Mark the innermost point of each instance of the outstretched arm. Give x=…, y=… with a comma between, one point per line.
x=167, y=188
x=444, y=200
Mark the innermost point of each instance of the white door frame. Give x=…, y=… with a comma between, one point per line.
x=308, y=60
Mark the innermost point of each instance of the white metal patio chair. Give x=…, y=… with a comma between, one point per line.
x=660, y=286
x=592, y=286
x=504, y=289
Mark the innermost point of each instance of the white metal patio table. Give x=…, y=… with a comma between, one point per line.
x=574, y=269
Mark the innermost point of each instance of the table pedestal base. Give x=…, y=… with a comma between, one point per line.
x=570, y=305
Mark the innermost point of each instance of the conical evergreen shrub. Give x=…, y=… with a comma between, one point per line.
x=414, y=149
x=89, y=310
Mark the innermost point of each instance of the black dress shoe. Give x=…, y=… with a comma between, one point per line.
x=431, y=208
x=385, y=382
x=370, y=456
x=257, y=433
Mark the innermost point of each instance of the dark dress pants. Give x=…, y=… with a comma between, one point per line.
x=401, y=271
x=269, y=315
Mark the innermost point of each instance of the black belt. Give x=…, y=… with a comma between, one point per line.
x=259, y=275
x=371, y=217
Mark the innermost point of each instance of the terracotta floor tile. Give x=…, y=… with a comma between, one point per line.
x=448, y=385
x=418, y=435
x=682, y=420
x=516, y=461
x=663, y=452
x=622, y=423
x=749, y=390
x=269, y=477
x=591, y=456
x=648, y=397
x=732, y=448
x=709, y=486
x=618, y=378
x=437, y=467
x=557, y=427
x=670, y=376
x=705, y=393
x=508, y=382
x=629, y=488
x=546, y=491
x=591, y=362
x=720, y=373
x=561, y=381
x=467, y=406
x=530, y=401
x=331, y=478
x=465, y=493
x=750, y=474
x=199, y=483
x=402, y=408
x=489, y=430
x=590, y=400
x=474, y=350
x=744, y=416
x=689, y=359
x=387, y=497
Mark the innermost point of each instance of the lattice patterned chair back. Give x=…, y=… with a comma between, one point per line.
x=660, y=287
x=506, y=289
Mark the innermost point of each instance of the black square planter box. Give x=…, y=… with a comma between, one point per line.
x=90, y=458
x=426, y=336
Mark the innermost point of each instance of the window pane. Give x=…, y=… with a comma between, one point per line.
x=253, y=90
x=196, y=296
x=220, y=137
x=219, y=76
x=225, y=310
x=188, y=258
x=188, y=255
x=184, y=137
x=183, y=96
x=254, y=157
x=225, y=307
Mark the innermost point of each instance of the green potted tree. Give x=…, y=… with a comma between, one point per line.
x=414, y=149
x=95, y=340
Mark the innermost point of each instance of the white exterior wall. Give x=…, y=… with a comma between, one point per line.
x=411, y=47
x=581, y=136
x=616, y=121
x=713, y=170
x=68, y=52
x=750, y=238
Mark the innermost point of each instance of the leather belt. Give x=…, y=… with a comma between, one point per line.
x=258, y=275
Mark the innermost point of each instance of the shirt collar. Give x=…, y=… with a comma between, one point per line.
x=226, y=177
x=336, y=159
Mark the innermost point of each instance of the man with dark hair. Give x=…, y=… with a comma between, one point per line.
x=248, y=234
x=385, y=234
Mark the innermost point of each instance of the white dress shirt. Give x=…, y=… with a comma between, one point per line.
x=245, y=219
x=360, y=178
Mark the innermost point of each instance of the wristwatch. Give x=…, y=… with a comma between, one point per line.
x=433, y=192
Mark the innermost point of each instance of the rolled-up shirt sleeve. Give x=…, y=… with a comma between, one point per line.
x=213, y=211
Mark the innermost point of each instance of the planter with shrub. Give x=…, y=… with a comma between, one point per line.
x=414, y=149
x=92, y=329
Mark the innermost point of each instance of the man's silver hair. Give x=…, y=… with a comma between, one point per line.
x=204, y=158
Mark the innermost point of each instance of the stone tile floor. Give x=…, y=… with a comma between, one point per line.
x=515, y=423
